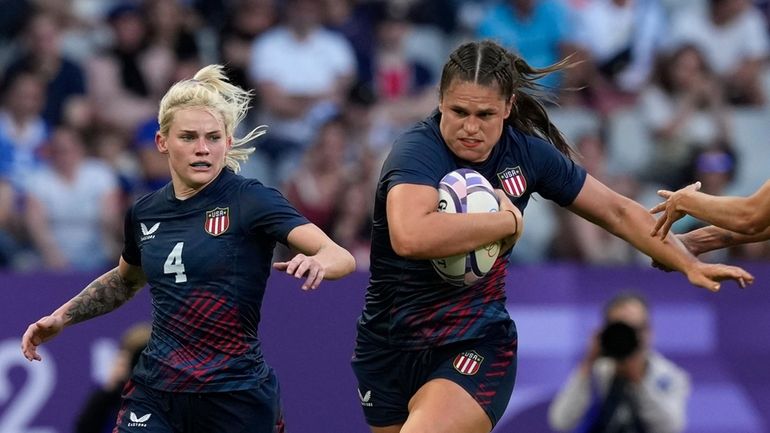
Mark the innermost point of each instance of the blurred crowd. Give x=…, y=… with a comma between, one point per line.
x=661, y=93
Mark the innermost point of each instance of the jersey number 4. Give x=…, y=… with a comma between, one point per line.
x=174, y=263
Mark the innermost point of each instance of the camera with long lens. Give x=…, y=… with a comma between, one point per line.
x=618, y=340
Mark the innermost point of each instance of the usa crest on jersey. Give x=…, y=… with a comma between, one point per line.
x=217, y=221
x=468, y=363
x=513, y=181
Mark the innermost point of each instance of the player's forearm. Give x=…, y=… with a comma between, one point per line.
x=438, y=234
x=103, y=295
x=713, y=238
x=336, y=261
x=633, y=224
x=732, y=213
x=746, y=215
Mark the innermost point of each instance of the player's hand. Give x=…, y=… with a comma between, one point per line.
x=708, y=275
x=505, y=206
x=38, y=333
x=302, y=266
x=670, y=209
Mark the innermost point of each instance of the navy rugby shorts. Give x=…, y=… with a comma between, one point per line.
x=388, y=377
x=147, y=410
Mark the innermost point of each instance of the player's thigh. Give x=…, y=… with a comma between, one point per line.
x=471, y=378
x=442, y=406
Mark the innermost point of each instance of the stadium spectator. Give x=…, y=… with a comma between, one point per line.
x=683, y=107
x=622, y=384
x=8, y=245
x=126, y=79
x=316, y=184
x=539, y=30
x=403, y=85
x=714, y=167
x=396, y=75
x=732, y=36
x=42, y=54
x=616, y=42
x=153, y=165
x=357, y=21
x=170, y=26
x=22, y=124
x=579, y=240
x=302, y=74
x=352, y=222
x=72, y=206
x=246, y=20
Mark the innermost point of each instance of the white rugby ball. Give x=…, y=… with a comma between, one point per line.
x=467, y=191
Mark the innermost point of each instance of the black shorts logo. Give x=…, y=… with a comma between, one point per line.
x=365, y=398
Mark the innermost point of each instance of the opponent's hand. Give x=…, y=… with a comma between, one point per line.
x=302, y=266
x=670, y=209
x=708, y=275
x=38, y=333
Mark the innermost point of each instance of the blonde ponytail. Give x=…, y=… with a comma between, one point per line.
x=210, y=89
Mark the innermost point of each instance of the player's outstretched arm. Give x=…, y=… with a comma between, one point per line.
x=628, y=220
x=745, y=215
x=711, y=238
x=319, y=257
x=103, y=295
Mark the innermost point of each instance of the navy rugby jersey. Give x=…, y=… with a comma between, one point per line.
x=207, y=260
x=408, y=305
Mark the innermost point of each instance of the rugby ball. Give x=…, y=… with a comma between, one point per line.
x=466, y=191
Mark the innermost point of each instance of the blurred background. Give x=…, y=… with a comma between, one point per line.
x=670, y=91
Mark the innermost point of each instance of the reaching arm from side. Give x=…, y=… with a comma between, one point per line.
x=419, y=231
x=711, y=238
x=319, y=257
x=628, y=220
x=745, y=215
x=106, y=293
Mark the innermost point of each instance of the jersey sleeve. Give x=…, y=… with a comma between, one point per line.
x=558, y=178
x=265, y=210
x=415, y=160
x=131, y=253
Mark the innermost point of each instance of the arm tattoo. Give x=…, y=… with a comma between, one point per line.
x=727, y=239
x=103, y=295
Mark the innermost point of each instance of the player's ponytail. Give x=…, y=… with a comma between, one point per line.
x=487, y=63
x=210, y=89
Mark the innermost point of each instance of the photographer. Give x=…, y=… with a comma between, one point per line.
x=622, y=385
